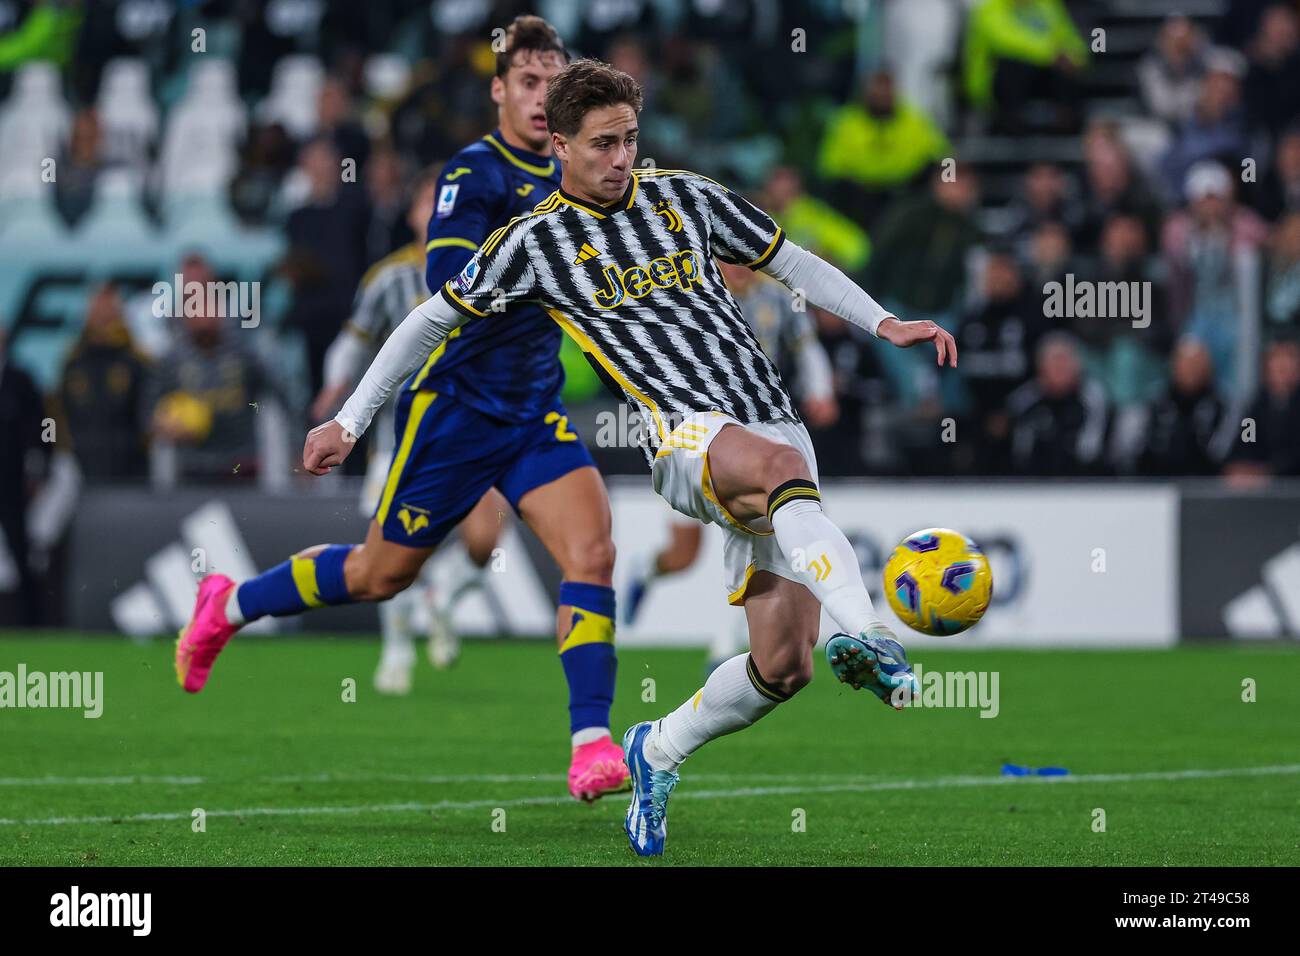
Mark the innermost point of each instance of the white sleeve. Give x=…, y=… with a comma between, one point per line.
x=410, y=344
x=825, y=286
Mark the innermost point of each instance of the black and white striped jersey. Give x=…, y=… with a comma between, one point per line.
x=635, y=284
x=389, y=290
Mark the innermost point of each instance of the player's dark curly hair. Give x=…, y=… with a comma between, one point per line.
x=583, y=86
x=532, y=34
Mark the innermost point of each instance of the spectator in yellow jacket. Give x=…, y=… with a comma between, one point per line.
x=1022, y=49
x=812, y=224
x=874, y=148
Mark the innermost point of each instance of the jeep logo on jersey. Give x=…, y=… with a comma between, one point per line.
x=679, y=269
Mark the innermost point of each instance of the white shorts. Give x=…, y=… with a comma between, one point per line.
x=681, y=477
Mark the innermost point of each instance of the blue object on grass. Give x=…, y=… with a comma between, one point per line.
x=1015, y=770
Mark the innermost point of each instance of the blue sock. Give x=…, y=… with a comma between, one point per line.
x=297, y=584
x=587, y=654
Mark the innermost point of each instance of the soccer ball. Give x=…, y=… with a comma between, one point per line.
x=938, y=581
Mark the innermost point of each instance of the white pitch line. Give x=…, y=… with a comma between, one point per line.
x=934, y=784
x=52, y=781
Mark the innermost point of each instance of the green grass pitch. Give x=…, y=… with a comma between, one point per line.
x=470, y=768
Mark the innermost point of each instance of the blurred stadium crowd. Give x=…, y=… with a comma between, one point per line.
x=955, y=156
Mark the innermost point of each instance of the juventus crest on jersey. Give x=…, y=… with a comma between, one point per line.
x=634, y=282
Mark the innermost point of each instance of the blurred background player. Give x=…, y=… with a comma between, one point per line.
x=390, y=288
x=789, y=338
x=482, y=410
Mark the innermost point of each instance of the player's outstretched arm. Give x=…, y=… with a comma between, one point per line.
x=419, y=334
x=829, y=288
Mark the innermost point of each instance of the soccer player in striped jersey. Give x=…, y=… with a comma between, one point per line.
x=482, y=410
x=623, y=260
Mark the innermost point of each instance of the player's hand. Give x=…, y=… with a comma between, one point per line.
x=327, y=445
x=328, y=401
x=907, y=334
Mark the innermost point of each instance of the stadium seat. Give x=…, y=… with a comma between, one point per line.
x=127, y=112
x=215, y=82
x=921, y=39
x=117, y=212
x=203, y=132
x=205, y=221
x=387, y=76
x=33, y=242
x=295, y=85
x=210, y=210
x=34, y=121
x=27, y=208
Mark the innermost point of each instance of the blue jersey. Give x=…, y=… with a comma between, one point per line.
x=507, y=368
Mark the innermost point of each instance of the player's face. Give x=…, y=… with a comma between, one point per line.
x=598, y=161
x=520, y=93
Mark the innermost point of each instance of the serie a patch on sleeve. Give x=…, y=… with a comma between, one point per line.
x=446, y=200
x=466, y=278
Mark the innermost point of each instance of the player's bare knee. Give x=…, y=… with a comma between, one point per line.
x=787, y=672
x=797, y=676
x=590, y=560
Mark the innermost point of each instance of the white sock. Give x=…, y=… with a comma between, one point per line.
x=811, y=542
x=588, y=734
x=395, y=625
x=729, y=701
x=233, y=612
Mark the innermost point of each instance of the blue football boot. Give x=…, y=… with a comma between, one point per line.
x=647, y=816
x=876, y=661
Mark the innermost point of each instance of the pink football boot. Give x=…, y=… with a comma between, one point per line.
x=597, y=769
x=203, y=638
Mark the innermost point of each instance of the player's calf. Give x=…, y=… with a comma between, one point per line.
x=331, y=574
x=788, y=670
x=570, y=515
x=380, y=584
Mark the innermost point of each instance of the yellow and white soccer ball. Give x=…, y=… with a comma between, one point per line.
x=938, y=581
